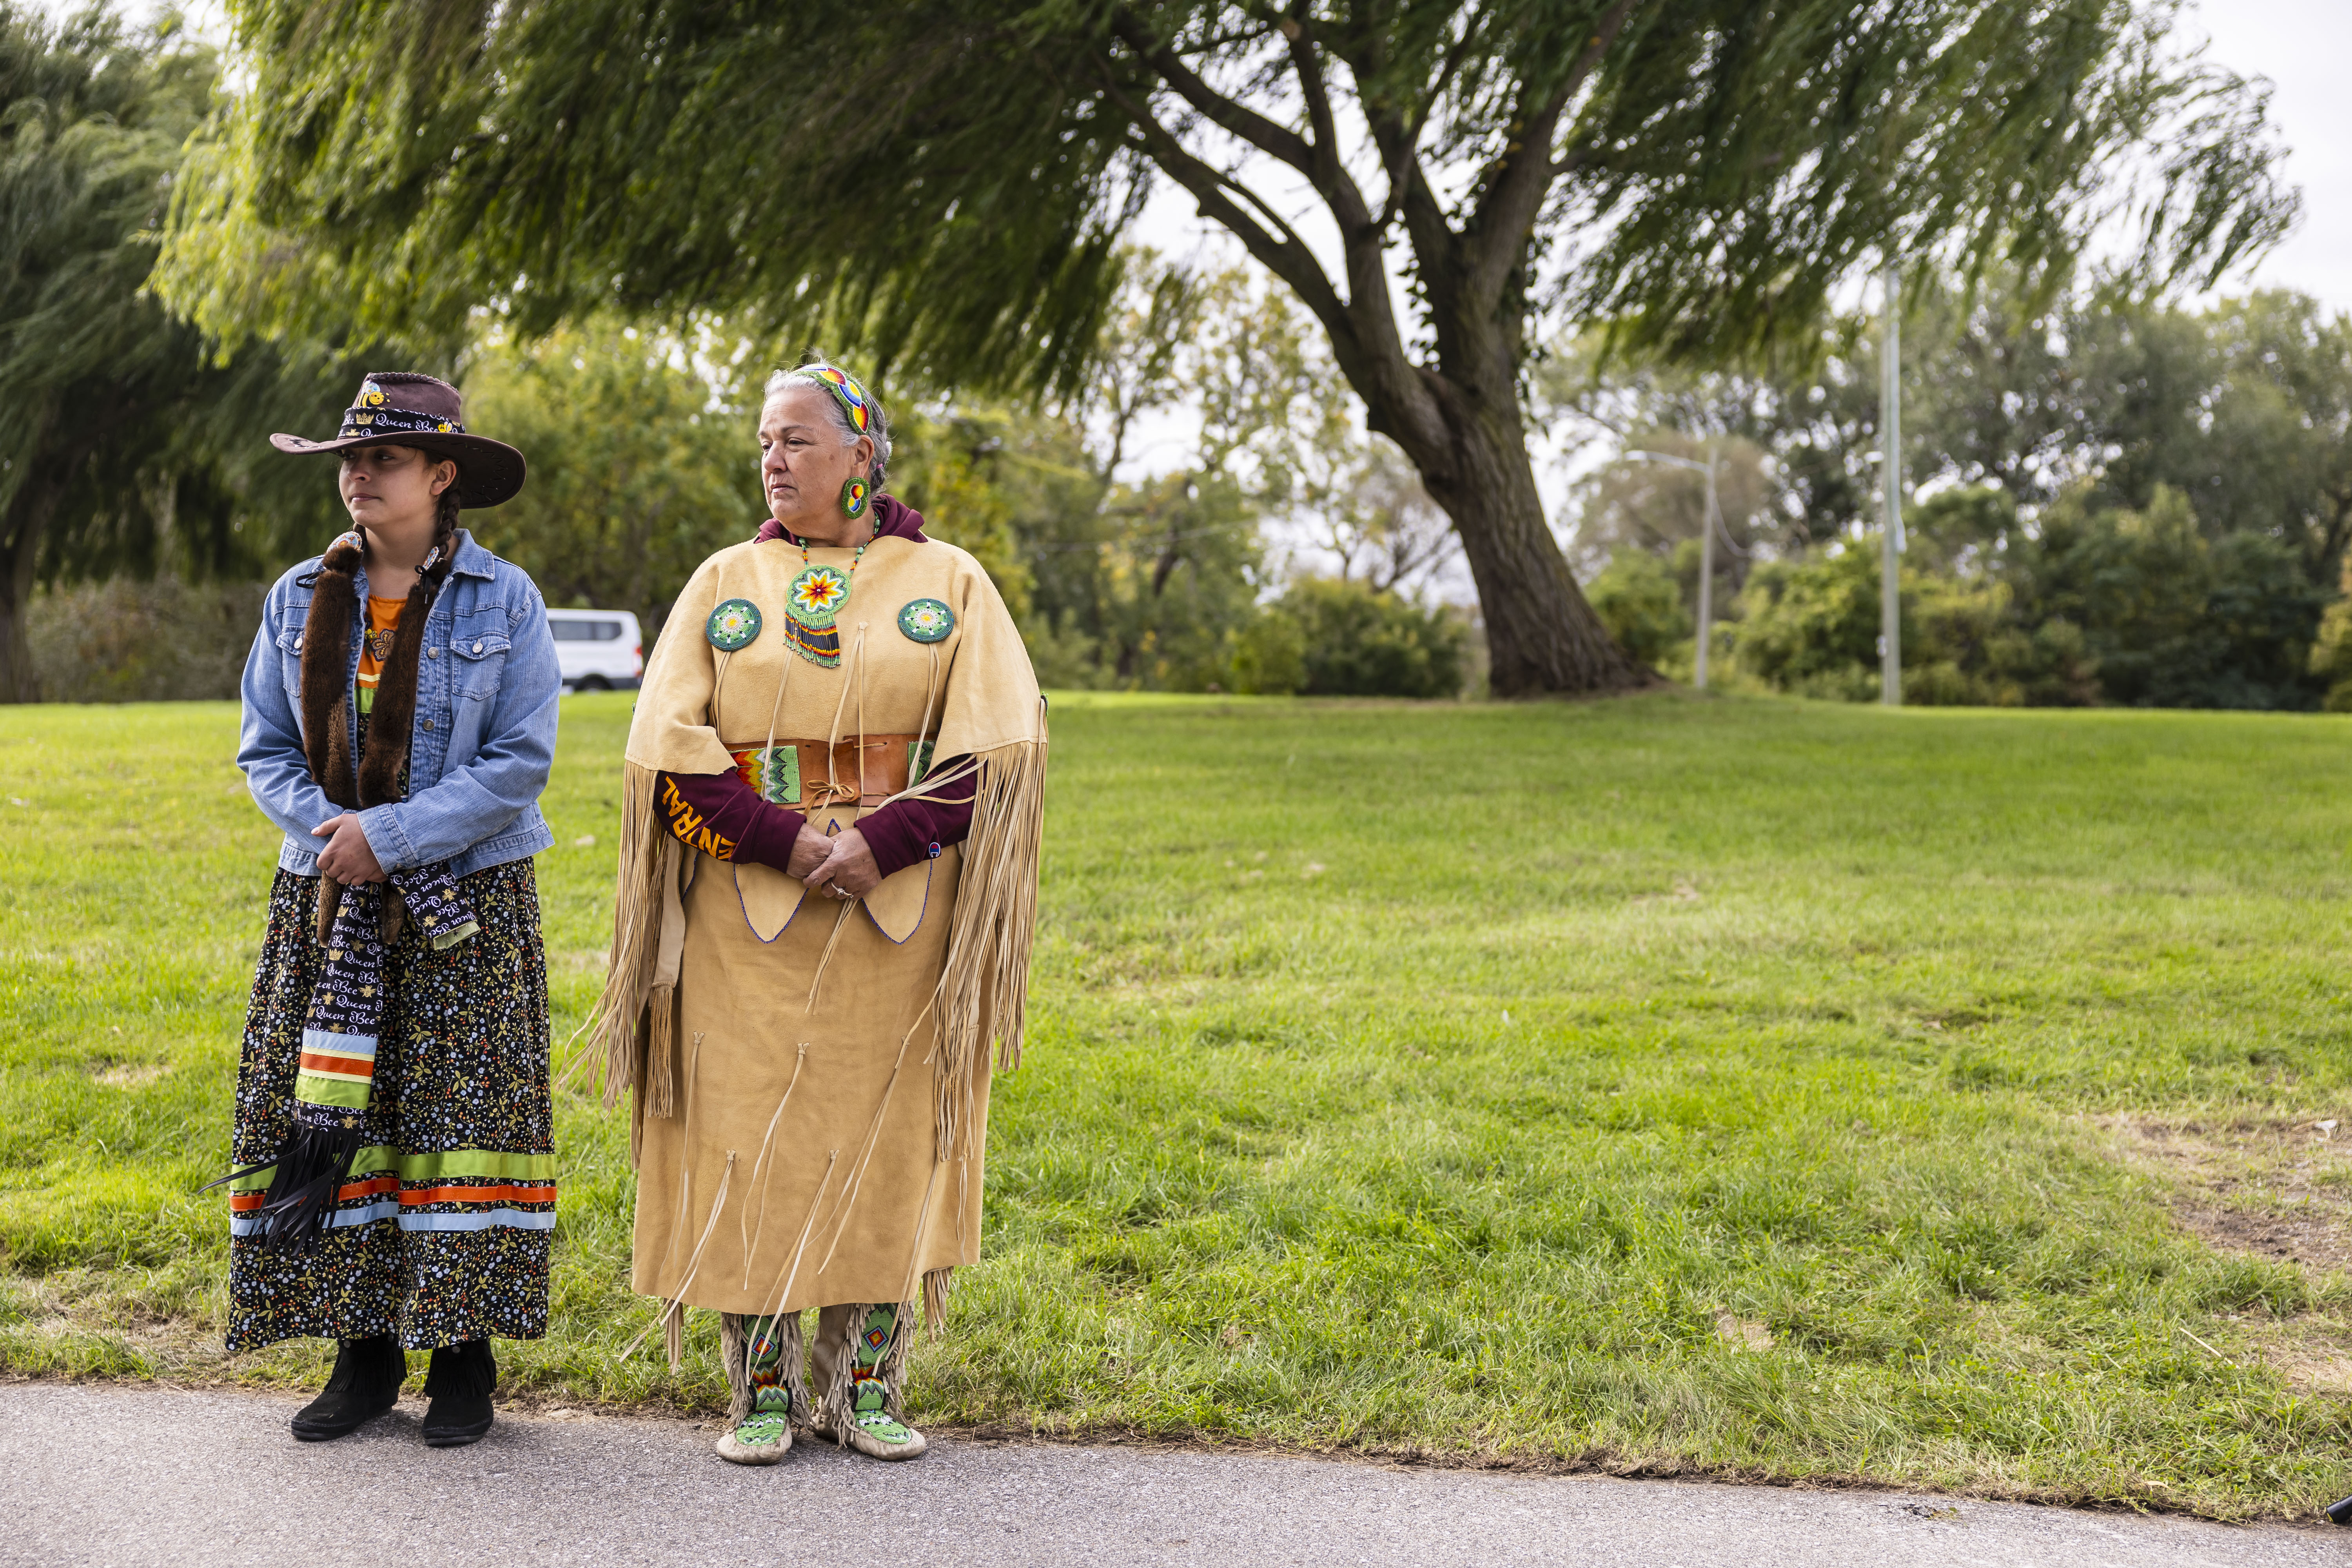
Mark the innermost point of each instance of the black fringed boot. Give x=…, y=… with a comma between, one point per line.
x=365, y=1385
x=459, y=1383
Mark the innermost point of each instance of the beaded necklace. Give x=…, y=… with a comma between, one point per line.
x=855, y=556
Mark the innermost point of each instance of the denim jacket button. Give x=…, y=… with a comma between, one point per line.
x=297, y=645
x=478, y=646
x=429, y=653
x=428, y=723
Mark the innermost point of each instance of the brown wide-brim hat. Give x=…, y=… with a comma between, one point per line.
x=402, y=408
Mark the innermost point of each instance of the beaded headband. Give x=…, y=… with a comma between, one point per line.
x=846, y=391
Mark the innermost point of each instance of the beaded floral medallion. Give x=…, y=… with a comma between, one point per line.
x=733, y=625
x=811, y=603
x=927, y=620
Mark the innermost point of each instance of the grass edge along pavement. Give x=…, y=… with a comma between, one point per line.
x=1734, y=1087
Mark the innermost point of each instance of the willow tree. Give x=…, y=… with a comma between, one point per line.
x=125, y=443
x=942, y=182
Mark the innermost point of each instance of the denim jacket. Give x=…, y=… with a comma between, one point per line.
x=486, y=689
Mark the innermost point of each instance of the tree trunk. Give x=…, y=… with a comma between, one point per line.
x=16, y=562
x=1542, y=636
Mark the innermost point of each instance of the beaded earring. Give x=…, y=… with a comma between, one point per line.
x=855, y=494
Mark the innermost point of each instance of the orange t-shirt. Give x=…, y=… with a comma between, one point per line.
x=383, y=619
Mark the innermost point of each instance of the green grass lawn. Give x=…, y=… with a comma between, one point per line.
x=1749, y=1087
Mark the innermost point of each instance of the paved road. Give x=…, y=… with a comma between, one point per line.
x=128, y=1475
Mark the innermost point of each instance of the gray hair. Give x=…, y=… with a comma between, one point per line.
x=879, y=434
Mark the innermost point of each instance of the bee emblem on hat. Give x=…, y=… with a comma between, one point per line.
x=370, y=395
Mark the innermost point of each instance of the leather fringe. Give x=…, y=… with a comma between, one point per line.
x=936, y=1284
x=306, y=1178
x=466, y=1370
x=660, y=1087
x=620, y=1018
x=983, y=988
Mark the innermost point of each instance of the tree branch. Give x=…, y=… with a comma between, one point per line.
x=1331, y=178
x=1497, y=235
x=1396, y=136
x=1409, y=195
x=1286, y=256
x=1365, y=337
x=1274, y=141
x=1446, y=70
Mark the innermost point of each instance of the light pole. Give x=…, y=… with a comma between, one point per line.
x=1707, y=525
x=1890, y=443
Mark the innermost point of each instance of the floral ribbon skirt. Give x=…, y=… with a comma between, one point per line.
x=441, y=1231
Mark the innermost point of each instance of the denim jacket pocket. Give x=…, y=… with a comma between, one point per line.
x=481, y=662
x=289, y=660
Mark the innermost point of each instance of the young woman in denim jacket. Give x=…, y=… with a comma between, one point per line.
x=394, y=1168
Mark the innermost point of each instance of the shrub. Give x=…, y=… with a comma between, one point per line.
x=1812, y=626
x=123, y=641
x=1638, y=599
x=2175, y=619
x=1329, y=638
x=2094, y=606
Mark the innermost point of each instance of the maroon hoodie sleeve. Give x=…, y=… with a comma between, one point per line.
x=722, y=815
x=906, y=831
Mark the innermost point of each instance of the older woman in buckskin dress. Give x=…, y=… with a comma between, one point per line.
x=835, y=781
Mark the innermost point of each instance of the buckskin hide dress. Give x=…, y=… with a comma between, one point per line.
x=811, y=1075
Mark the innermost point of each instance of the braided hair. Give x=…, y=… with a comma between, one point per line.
x=446, y=506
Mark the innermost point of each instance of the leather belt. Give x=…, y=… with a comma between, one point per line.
x=810, y=775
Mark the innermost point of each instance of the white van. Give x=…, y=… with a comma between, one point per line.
x=598, y=650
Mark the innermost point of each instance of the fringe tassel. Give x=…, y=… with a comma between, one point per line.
x=983, y=989
x=466, y=1370
x=735, y=1355
x=825, y=958
x=637, y=918
x=833, y=1408
x=659, y=1088
x=750, y=1238
x=672, y=1321
x=310, y=1170
x=792, y=1270
x=660, y=1091
x=936, y=1284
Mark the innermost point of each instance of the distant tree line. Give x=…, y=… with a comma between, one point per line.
x=2117, y=500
